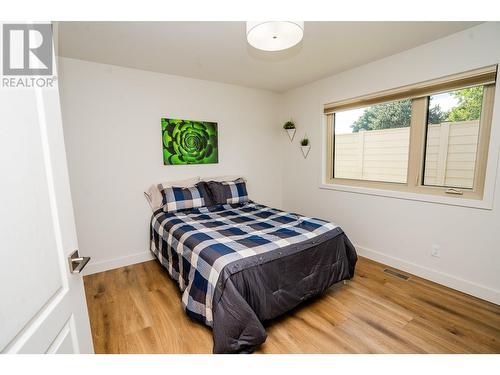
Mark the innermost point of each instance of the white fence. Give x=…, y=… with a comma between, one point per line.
x=382, y=155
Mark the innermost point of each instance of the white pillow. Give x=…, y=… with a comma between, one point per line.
x=153, y=194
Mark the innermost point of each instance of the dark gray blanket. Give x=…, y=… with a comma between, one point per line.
x=252, y=293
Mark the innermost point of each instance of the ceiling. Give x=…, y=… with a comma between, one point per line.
x=218, y=51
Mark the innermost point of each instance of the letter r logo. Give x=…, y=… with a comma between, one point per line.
x=27, y=49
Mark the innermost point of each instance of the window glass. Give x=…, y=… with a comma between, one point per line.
x=452, y=138
x=372, y=143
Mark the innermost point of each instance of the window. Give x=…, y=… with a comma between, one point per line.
x=372, y=143
x=452, y=136
x=429, y=138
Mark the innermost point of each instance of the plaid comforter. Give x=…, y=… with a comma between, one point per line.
x=195, y=245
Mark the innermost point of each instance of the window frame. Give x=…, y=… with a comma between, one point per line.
x=419, y=94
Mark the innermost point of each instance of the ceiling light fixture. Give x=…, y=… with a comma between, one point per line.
x=274, y=35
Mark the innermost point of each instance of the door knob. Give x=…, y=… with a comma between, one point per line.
x=76, y=262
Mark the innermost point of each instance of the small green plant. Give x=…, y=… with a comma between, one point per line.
x=289, y=125
x=304, y=141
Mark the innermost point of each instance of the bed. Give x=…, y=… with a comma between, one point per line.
x=240, y=265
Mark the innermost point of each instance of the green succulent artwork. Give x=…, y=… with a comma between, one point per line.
x=189, y=142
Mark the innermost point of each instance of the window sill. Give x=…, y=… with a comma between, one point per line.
x=451, y=201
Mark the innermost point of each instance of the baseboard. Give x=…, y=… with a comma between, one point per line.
x=450, y=281
x=106, y=265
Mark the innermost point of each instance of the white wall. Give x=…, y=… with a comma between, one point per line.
x=401, y=232
x=112, y=130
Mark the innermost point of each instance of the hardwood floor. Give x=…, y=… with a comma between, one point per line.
x=137, y=309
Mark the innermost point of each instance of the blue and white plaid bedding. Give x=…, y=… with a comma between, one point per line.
x=235, y=191
x=180, y=198
x=195, y=245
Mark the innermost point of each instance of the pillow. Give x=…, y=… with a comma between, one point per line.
x=229, y=192
x=221, y=178
x=154, y=196
x=206, y=193
x=177, y=198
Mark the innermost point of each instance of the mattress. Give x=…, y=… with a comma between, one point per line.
x=239, y=265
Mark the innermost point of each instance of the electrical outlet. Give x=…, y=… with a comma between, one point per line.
x=436, y=251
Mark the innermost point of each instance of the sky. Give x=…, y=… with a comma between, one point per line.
x=344, y=120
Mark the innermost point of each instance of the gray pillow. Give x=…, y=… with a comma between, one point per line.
x=228, y=192
x=206, y=193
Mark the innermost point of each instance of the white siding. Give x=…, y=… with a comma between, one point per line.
x=451, y=154
x=382, y=155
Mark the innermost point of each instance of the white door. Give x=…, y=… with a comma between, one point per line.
x=42, y=304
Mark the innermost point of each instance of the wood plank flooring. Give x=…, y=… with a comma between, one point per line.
x=137, y=309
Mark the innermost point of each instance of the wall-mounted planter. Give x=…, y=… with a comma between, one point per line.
x=305, y=150
x=291, y=133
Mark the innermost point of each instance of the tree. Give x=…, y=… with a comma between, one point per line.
x=393, y=115
x=398, y=114
x=470, y=103
x=436, y=115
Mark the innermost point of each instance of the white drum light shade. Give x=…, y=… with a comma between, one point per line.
x=274, y=35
